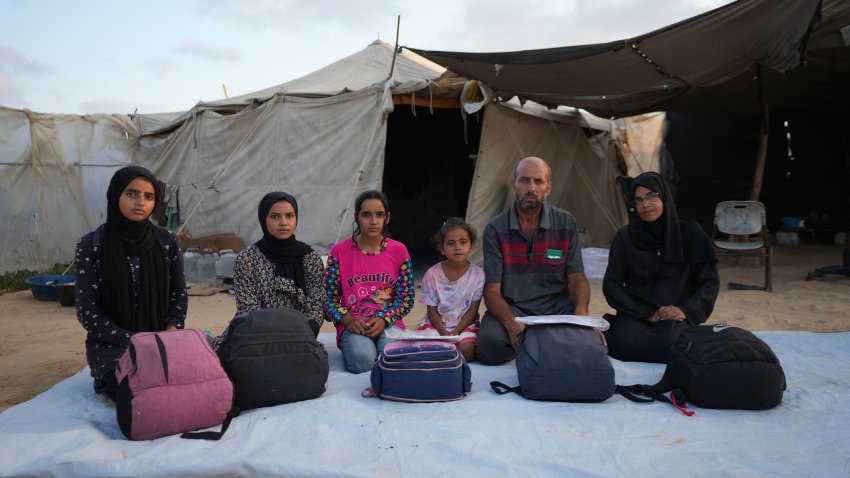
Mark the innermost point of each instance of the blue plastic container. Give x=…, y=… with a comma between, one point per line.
x=44, y=286
x=791, y=222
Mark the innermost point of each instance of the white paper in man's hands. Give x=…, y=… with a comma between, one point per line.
x=395, y=333
x=585, y=320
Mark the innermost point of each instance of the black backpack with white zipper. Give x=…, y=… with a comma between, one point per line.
x=272, y=357
x=717, y=366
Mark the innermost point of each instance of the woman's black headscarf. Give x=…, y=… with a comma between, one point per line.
x=680, y=239
x=286, y=254
x=123, y=238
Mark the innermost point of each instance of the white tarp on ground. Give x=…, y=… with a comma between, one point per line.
x=69, y=431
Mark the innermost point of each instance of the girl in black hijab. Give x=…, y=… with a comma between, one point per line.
x=129, y=275
x=279, y=270
x=283, y=250
x=661, y=275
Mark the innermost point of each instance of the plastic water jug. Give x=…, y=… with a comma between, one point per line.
x=190, y=264
x=206, y=267
x=224, y=266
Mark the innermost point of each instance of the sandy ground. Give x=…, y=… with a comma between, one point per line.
x=43, y=342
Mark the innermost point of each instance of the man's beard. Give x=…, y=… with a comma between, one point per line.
x=528, y=206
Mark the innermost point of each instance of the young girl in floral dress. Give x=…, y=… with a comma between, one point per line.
x=452, y=289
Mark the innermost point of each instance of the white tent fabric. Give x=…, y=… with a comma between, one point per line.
x=320, y=137
x=321, y=150
x=640, y=140
x=260, y=157
x=54, y=171
x=69, y=431
x=354, y=72
x=584, y=170
x=363, y=69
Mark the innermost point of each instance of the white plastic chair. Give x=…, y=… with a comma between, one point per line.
x=744, y=225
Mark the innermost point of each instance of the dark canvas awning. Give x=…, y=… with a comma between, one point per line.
x=703, y=64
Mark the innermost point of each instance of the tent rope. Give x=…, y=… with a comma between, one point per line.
x=594, y=192
x=386, y=101
x=171, y=142
x=623, y=134
x=171, y=139
x=195, y=130
x=430, y=97
x=230, y=158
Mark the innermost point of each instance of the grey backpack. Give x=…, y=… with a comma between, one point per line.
x=561, y=362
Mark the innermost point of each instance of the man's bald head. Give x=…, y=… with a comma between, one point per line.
x=535, y=160
x=532, y=183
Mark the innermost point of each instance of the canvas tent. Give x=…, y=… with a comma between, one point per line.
x=717, y=73
x=54, y=171
x=702, y=64
x=322, y=137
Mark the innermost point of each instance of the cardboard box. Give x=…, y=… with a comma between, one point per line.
x=215, y=242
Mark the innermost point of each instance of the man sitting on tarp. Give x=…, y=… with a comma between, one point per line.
x=532, y=264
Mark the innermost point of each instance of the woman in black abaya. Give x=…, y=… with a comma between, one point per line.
x=128, y=274
x=661, y=275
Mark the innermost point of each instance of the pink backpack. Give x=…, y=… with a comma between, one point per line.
x=169, y=383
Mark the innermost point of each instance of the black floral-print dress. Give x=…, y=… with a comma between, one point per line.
x=106, y=341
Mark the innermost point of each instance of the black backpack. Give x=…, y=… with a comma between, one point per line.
x=272, y=357
x=561, y=362
x=718, y=367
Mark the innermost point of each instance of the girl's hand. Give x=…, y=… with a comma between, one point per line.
x=354, y=326
x=436, y=320
x=375, y=327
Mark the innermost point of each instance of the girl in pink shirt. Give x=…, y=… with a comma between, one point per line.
x=368, y=284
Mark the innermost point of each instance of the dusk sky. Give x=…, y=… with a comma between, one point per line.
x=63, y=56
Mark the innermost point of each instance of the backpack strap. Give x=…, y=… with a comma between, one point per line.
x=677, y=399
x=677, y=396
x=665, y=384
x=97, y=237
x=502, y=389
x=637, y=393
x=215, y=436
x=648, y=394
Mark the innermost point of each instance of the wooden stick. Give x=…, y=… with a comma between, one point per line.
x=761, y=157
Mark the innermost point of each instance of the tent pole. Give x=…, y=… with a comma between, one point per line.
x=761, y=157
x=395, y=50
